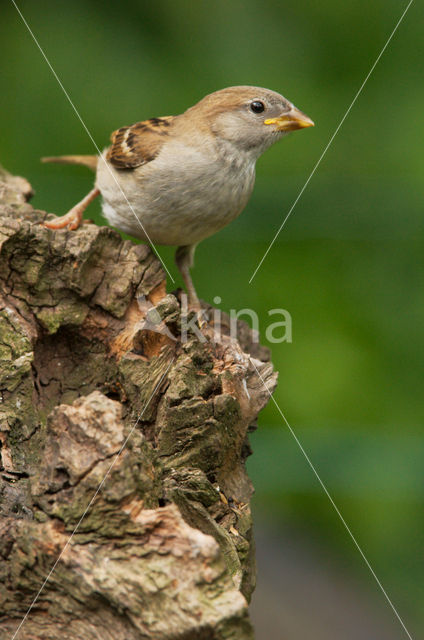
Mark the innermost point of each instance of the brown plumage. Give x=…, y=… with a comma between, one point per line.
x=88, y=161
x=178, y=179
x=139, y=143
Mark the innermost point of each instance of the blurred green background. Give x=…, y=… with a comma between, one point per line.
x=347, y=266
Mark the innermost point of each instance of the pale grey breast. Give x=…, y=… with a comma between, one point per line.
x=184, y=195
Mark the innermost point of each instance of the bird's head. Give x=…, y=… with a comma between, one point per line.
x=251, y=118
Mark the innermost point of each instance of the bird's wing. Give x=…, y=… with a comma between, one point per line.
x=138, y=144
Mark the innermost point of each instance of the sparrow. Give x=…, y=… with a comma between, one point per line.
x=176, y=180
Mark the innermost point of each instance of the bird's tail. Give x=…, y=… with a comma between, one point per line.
x=87, y=161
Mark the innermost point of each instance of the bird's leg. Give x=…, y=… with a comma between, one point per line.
x=73, y=218
x=184, y=258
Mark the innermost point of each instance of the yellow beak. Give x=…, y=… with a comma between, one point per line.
x=290, y=121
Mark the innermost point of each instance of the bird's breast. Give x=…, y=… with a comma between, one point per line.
x=181, y=197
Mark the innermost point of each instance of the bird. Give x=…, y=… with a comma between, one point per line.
x=175, y=180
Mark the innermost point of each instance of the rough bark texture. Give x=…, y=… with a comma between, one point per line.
x=94, y=392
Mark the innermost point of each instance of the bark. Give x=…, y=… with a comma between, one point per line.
x=97, y=389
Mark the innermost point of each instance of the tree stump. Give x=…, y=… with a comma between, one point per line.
x=123, y=446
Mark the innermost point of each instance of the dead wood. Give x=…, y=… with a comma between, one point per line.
x=94, y=389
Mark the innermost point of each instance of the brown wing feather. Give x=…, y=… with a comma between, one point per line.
x=138, y=144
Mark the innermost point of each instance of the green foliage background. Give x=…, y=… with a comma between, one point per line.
x=347, y=265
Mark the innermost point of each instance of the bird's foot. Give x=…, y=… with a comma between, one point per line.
x=201, y=318
x=194, y=305
x=71, y=220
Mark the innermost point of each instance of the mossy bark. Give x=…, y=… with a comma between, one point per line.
x=115, y=430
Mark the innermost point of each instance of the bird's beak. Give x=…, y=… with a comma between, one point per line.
x=290, y=121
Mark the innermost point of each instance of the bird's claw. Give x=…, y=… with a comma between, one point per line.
x=71, y=220
x=201, y=318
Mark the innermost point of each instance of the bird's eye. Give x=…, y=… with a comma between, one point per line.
x=257, y=106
